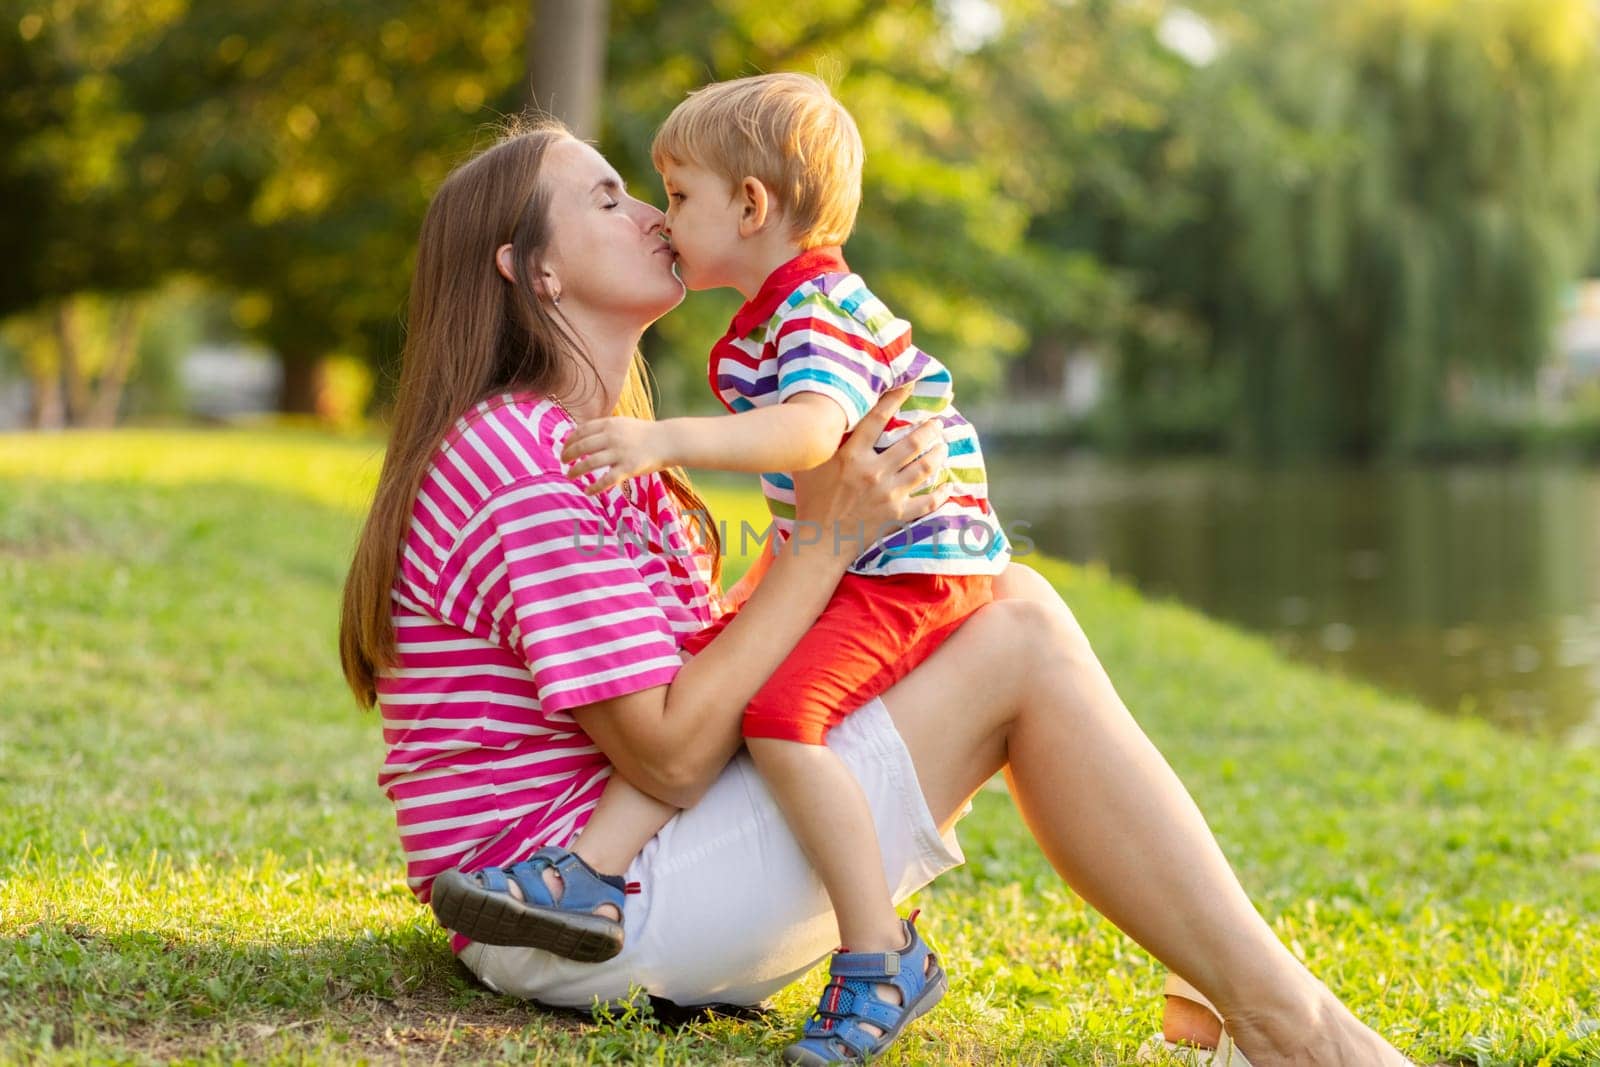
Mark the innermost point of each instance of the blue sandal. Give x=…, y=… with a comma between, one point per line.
x=479, y=906
x=834, y=1033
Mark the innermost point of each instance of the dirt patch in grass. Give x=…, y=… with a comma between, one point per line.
x=432, y=1026
x=27, y=537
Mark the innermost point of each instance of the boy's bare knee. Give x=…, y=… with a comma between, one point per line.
x=784, y=764
x=766, y=749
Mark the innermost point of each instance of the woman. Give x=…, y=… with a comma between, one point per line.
x=520, y=637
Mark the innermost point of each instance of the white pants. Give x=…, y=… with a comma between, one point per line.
x=729, y=910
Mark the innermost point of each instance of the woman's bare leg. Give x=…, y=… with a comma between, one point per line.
x=1182, y=1019
x=1110, y=816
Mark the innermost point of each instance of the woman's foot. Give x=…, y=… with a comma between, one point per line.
x=1186, y=1021
x=1308, y=1027
x=1192, y=1029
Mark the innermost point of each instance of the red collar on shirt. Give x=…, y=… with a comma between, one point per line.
x=783, y=281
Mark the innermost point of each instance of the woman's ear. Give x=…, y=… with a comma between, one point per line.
x=504, y=263
x=756, y=210
x=545, y=285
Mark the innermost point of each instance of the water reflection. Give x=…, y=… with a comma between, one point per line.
x=1475, y=588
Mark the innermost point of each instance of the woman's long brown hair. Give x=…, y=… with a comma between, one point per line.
x=469, y=336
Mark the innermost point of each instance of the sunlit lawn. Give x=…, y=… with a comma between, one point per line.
x=195, y=861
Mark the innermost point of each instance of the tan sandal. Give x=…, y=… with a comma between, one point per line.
x=1159, y=1050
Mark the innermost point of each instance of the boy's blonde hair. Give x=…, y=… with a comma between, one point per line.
x=787, y=131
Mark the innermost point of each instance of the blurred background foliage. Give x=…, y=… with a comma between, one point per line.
x=1280, y=227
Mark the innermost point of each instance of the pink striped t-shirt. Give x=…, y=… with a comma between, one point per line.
x=519, y=598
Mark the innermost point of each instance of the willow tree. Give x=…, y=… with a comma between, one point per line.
x=1402, y=190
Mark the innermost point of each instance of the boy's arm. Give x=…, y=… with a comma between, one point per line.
x=796, y=435
x=801, y=433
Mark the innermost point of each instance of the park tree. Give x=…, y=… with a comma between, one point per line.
x=1083, y=103
x=1395, y=196
x=285, y=151
x=321, y=130
x=1318, y=226
x=78, y=249
x=1310, y=230
x=281, y=151
x=567, y=42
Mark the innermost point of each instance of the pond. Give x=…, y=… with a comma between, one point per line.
x=1474, y=588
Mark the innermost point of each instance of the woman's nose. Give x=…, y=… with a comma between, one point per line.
x=654, y=221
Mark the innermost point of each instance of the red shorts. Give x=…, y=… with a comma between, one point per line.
x=872, y=633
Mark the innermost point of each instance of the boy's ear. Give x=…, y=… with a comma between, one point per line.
x=756, y=209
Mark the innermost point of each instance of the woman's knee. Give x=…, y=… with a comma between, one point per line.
x=1020, y=583
x=1039, y=630
x=1009, y=642
x=1057, y=671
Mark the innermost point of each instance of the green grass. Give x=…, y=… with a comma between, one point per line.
x=196, y=864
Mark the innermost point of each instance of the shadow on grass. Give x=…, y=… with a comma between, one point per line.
x=166, y=996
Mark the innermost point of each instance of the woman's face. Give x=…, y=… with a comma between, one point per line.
x=607, y=254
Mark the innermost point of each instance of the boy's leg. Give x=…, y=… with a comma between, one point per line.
x=873, y=631
x=501, y=906
x=830, y=818
x=627, y=817
x=622, y=824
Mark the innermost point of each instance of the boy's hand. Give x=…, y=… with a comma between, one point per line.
x=629, y=447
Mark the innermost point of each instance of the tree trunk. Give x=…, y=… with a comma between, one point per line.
x=302, y=386
x=69, y=347
x=45, y=409
x=567, y=61
x=102, y=412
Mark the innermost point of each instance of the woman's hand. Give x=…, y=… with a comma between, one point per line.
x=860, y=495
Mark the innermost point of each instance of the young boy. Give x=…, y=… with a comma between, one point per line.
x=763, y=178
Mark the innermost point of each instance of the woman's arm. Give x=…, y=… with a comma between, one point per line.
x=734, y=598
x=671, y=741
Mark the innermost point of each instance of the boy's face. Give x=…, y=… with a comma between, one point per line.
x=703, y=226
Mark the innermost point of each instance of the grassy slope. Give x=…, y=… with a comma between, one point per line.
x=195, y=862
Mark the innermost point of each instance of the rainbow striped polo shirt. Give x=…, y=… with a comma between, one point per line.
x=815, y=327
